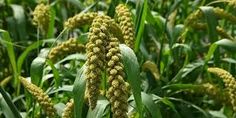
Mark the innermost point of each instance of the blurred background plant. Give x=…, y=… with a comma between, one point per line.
x=166, y=66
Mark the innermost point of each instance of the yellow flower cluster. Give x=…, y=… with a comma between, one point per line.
x=126, y=23
x=229, y=81
x=68, y=47
x=117, y=92
x=40, y=97
x=41, y=16
x=68, y=111
x=80, y=20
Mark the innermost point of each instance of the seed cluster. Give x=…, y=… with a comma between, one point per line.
x=68, y=111
x=221, y=13
x=80, y=20
x=68, y=47
x=117, y=92
x=215, y=92
x=95, y=50
x=41, y=16
x=41, y=97
x=220, y=31
x=126, y=23
x=229, y=81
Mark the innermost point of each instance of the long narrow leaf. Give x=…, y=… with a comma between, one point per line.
x=132, y=70
x=79, y=91
x=10, y=104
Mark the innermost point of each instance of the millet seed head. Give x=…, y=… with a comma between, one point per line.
x=41, y=16
x=40, y=97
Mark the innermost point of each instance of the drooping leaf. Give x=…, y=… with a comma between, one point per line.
x=99, y=110
x=36, y=70
x=132, y=70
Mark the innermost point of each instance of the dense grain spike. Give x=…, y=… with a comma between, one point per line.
x=118, y=91
x=68, y=111
x=101, y=28
x=220, y=31
x=42, y=98
x=125, y=20
x=229, y=81
x=68, y=47
x=95, y=50
x=41, y=17
x=80, y=20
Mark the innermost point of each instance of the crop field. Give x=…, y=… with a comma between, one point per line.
x=117, y=59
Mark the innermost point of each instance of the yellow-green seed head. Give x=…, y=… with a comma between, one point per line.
x=68, y=111
x=41, y=16
x=118, y=90
x=80, y=20
x=215, y=93
x=70, y=46
x=95, y=50
x=229, y=82
x=42, y=98
x=125, y=20
x=221, y=13
x=220, y=31
x=193, y=17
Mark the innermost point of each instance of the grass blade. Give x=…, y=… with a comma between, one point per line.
x=132, y=70
x=78, y=92
x=7, y=42
x=140, y=22
x=13, y=108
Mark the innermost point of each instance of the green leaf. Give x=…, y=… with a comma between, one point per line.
x=112, y=7
x=5, y=109
x=171, y=105
x=98, y=111
x=184, y=71
x=55, y=74
x=50, y=32
x=210, y=52
x=12, y=107
x=151, y=106
x=7, y=42
x=211, y=22
x=73, y=57
x=224, y=43
x=181, y=86
x=131, y=65
x=227, y=44
x=36, y=70
x=26, y=52
x=19, y=16
x=140, y=22
x=191, y=104
x=79, y=91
